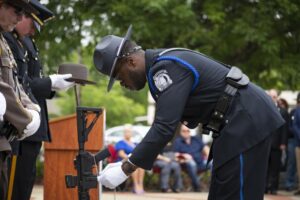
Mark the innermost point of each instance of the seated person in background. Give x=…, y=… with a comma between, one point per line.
x=124, y=148
x=168, y=164
x=190, y=150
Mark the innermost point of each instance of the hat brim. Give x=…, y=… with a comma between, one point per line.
x=44, y=13
x=37, y=26
x=111, y=77
x=81, y=81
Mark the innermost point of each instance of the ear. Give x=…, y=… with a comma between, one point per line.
x=131, y=61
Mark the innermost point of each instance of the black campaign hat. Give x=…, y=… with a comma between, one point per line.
x=107, y=52
x=23, y=4
x=43, y=16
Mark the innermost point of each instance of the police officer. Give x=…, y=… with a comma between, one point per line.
x=192, y=88
x=22, y=115
x=39, y=88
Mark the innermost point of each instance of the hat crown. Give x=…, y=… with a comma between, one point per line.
x=106, y=52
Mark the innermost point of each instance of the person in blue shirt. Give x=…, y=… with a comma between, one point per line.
x=189, y=149
x=124, y=148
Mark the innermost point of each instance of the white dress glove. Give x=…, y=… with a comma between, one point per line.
x=2, y=106
x=33, y=126
x=112, y=175
x=58, y=82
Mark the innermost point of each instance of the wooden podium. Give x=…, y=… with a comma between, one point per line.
x=61, y=152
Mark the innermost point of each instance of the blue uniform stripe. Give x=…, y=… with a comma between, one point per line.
x=185, y=64
x=241, y=177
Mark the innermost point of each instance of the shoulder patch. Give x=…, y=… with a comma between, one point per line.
x=162, y=80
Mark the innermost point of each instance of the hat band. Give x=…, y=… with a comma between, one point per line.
x=135, y=49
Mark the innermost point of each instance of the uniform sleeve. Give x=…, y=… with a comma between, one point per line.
x=26, y=101
x=41, y=88
x=169, y=108
x=15, y=112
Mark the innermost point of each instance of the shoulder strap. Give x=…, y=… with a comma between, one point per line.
x=184, y=49
x=178, y=60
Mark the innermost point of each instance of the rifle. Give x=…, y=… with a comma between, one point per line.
x=85, y=161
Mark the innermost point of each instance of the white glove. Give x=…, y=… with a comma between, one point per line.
x=33, y=126
x=58, y=82
x=112, y=175
x=2, y=106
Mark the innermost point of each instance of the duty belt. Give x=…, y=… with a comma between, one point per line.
x=235, y=80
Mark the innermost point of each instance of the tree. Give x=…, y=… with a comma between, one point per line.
x=260, y=37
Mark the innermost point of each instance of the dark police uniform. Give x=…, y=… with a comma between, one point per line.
x=39, y=89
x=244, y=141
x=20, y=56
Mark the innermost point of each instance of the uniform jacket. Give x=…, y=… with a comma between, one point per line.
x=251, y=117
x=28, y=63
x=16, y=98
x=21, y=58
x=41, y=89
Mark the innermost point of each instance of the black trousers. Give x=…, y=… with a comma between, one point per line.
x=3, y=174
x=243, y=177
x=26, y=170
x=273, y=170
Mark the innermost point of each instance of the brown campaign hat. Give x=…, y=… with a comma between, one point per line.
x=79, y=73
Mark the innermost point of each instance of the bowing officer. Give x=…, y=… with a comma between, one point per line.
x=191, y=88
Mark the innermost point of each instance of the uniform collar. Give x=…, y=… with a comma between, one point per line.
x=150, y=57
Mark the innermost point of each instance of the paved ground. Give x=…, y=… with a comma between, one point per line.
x=38, y=195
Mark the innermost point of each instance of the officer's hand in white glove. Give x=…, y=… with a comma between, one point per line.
x=2, y=106
x=33, y=126
x=58, y=82
x=112, y=175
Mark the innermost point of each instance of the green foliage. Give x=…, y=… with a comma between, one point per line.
x=261, y=37
x=119, y=108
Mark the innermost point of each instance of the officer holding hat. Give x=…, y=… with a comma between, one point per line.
x=191, y=88
x=22, y=116
x=39, y=88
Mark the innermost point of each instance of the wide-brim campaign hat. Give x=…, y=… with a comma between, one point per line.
x=24, y=4
x=43, y=16
x=107, y=53
x=79, y=73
